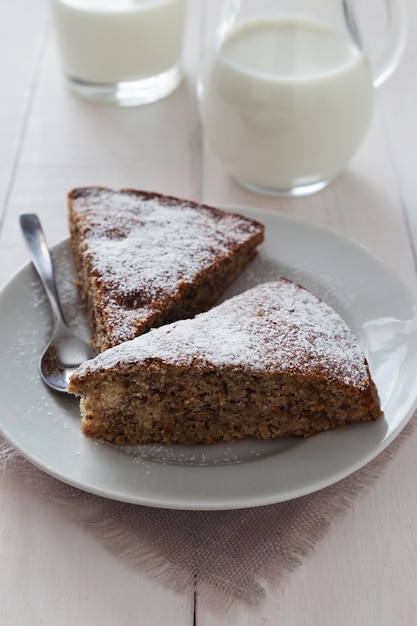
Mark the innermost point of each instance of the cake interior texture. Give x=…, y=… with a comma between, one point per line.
x=272, y=362
x=144, y=259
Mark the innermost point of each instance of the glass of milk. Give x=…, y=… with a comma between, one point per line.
x=123, y=51
x=287, y=88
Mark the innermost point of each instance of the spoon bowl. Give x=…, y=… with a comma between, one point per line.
x=65, y=351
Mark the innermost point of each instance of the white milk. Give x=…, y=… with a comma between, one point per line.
x=286, y=103
x=110, y=41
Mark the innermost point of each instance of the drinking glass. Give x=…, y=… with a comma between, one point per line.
x=123, y=51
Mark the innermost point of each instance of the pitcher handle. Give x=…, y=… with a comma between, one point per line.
x=386, y=61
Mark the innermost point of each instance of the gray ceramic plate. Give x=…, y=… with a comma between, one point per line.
x=45, y=427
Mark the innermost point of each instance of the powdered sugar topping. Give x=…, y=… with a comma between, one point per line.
x=274, y=327
x=143, y=235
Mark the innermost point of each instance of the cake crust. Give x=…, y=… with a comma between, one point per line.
x=272, y=362
x=145, y=259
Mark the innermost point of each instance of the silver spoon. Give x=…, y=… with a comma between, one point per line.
x=65, y=351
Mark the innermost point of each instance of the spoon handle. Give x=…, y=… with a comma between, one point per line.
x=41, y=259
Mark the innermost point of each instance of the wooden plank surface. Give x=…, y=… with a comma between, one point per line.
x=51, y=572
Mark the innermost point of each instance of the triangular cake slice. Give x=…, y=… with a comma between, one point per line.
x=272, y=362
x=144, y=259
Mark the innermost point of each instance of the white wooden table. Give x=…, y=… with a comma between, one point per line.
x=364, y=572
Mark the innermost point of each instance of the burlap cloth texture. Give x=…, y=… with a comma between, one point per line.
x=227, y=552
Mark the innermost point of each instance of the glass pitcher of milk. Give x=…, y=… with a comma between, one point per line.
x=123, y=51
x=286, y=90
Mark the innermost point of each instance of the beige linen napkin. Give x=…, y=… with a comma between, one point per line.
x=225, y=552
